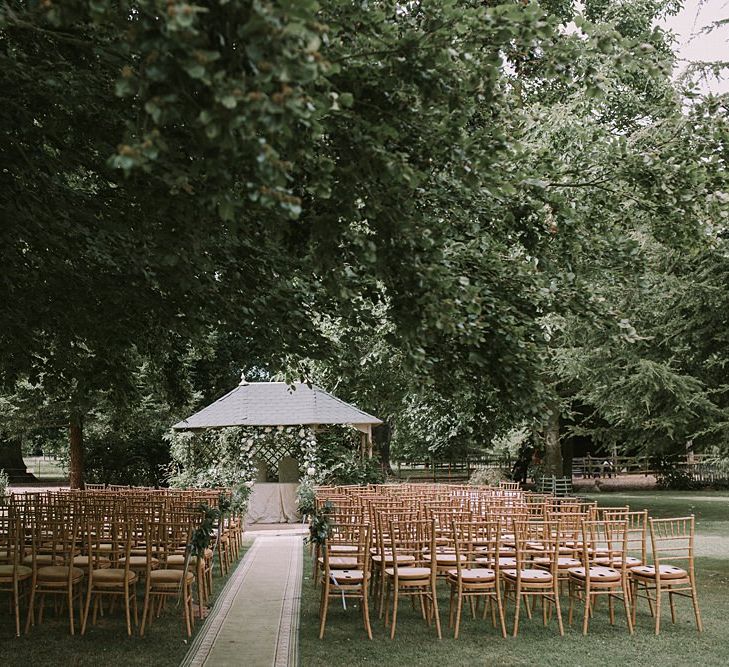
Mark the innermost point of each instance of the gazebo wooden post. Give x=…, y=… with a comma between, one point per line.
x=365, y=441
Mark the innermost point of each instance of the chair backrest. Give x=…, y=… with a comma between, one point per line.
x=536, y=539
x=11, y=540
x=475, y=540
x=351, y=535
x=174, y=539
x=413, y=540
x=605, y=539
x=672, y=542
x=444, y=519
x=509, y=486
x=598, y=513
x=637, y=531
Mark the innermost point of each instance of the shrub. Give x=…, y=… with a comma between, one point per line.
x=4, y=481
x=351, y=469
x=487, y=476
x=669, y=476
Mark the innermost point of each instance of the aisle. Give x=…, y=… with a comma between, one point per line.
x=256, y=620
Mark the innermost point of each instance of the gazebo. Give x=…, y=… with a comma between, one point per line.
x=278, y=406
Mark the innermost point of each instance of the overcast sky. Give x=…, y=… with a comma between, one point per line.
x=695, y=46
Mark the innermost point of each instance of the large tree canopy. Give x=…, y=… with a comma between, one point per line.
x=449, y=175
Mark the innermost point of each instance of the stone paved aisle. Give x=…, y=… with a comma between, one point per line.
x=255, y=622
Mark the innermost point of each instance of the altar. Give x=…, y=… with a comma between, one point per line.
x=272, y=502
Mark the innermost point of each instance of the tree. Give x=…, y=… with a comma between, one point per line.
x=248, y=170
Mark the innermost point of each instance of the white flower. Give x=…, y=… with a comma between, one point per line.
x=310, y=471
x=268, y=429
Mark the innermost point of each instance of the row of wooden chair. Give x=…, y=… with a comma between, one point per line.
x=96, y=545
x=402, y=541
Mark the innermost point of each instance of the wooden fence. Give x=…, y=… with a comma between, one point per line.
x=700, y=467
x=445, y=471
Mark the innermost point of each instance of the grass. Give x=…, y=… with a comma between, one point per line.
x=416, y=645
x=106, y=643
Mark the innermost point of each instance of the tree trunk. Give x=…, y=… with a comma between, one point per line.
x=568, y=449
x=76, y=451
x=382, y=435
x=552, y=447
x=11, y=460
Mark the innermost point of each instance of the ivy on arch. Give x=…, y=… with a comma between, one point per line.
x=227, y=456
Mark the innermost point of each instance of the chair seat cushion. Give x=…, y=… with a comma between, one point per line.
x=341, y=562
x=59, y=573
x=347, y=577
x=503, y=561
x=138, y=562
x=597, y=573
x=563, y=563
x=401, y=558
x=445, y=558
x=21, y=571
x=83, y=561
x=112, y=576
x=530, y=576
x=42, y=560
x=617, y=561
x=666, y=572
x=409, y=572
x=473, y=575
x=170, y=576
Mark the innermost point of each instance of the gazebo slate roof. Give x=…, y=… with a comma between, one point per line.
x=276, y=404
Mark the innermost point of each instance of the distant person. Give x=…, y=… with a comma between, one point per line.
x=521, y=466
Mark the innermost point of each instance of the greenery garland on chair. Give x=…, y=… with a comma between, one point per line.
x=320, y=527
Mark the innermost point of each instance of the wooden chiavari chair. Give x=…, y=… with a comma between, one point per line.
x=350, y=579
x=115, y=582
x=384, y=557
x=475, y=542
x=534, y=540
x=672, y=572
x=14, y=576
x=59, y=539
x=164, y=583
x=591, y=580
x=416, y=579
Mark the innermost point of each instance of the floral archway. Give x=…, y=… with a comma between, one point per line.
x=227, y=456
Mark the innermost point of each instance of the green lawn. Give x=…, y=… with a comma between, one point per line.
x=479, y=644
x=163, y=644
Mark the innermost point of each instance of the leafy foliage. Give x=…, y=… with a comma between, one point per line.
x=320, y=525
x=487, y=477
x=351, y=468
x=482, y=212
x=306, y=498
x=4, y=481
